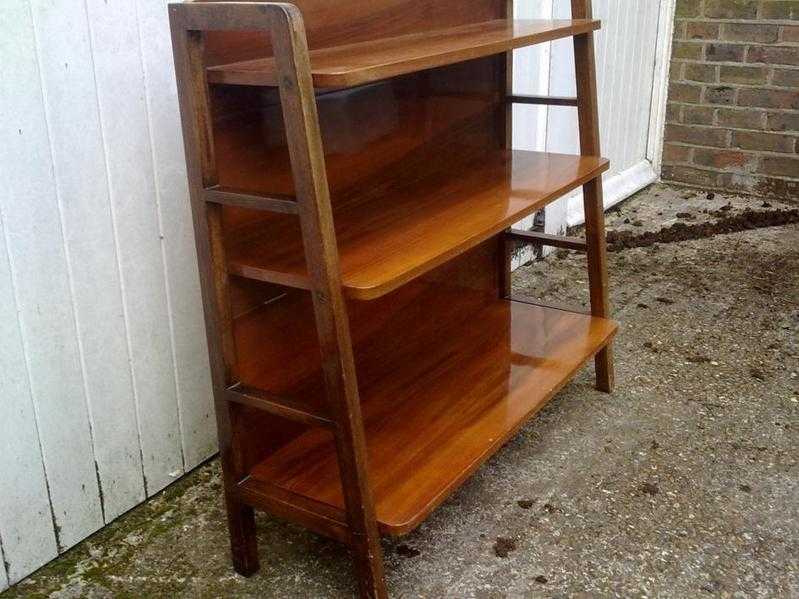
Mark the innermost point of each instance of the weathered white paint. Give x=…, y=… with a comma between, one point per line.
x=105, y=394
x=3, y=576
x=32, y=211
x=105, y=390
x=626, y=75
x=187, y=328
x=25, y=520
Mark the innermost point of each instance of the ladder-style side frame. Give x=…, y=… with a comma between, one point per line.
x=595, y=244
x=283, y=22
x=593, y=202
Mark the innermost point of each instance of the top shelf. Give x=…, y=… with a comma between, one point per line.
x=365, y=62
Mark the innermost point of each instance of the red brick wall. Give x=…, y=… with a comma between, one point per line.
x=733, y=112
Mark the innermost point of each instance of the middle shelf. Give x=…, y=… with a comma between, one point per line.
x=412, y=224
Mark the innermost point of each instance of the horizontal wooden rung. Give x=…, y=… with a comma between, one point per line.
x=278, y=406
x=543, y=100
x=317, y=516
x=551, y=305
x=232, y=197
x=536, y=238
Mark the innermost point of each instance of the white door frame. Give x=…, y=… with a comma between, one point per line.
x=532, y=133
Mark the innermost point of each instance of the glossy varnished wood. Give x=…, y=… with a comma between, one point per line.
x=593, y=196
x=445, y=380
x=361, y=63
x=340, y=414
x=417, y=221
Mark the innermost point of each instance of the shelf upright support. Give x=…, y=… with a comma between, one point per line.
x=588, y=117
x=505, y=252
x=321, y=253
x=284, y=22
x=188, y=45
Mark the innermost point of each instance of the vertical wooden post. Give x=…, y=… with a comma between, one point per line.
x=321, y=251
x=201, y=165
x=588, y=116
x=505, y=252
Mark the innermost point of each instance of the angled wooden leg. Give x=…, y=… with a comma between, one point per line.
x=332, y=323
x=188, y=48
x=598, y=274
x=588, y=115
x=243, y=542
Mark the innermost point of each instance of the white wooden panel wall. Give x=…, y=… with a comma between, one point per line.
x=104, y=385
x=626, y=56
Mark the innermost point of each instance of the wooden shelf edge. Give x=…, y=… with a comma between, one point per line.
x=365, y=293
x=369, y=292
x=261, y=72
x=521, y=406
x=319, y=517
x=397, y=530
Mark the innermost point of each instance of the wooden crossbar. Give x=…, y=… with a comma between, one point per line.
x=542, y=100
x=278, y=406
x=318, y=517
x=536, y=238
x=232, y=197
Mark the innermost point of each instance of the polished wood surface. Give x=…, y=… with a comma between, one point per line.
x=593, y=196
x=365, y=62
x=365, y=131
x=445, y=380
x=343, y=22
x=330, y=316
x=414, y=223
x=344, y=415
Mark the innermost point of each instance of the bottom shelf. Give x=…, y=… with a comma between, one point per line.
x=440, y=395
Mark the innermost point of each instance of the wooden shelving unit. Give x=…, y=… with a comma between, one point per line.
x=353, y=191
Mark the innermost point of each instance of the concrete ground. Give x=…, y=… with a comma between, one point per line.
x=683, y=483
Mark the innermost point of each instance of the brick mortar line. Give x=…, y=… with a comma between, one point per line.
x=735, y=107
x=727, y=63
x=772, y=153
x=734, y=129
x=752, y=21
x=704, y=40
x=790, y=135
x=782, y=67
x=708, y=169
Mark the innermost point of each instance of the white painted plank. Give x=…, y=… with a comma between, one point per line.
x=38, y=263
x=530, y=76
x=3, y=575
x=133, y=228
x=646, y=80
x=26, y=523
x=82, y=186
x=636, y=68
x=188, y=329
x=657, y=116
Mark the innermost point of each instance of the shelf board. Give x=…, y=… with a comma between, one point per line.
x=424, y=215
x=357, y=64
x=444, y=381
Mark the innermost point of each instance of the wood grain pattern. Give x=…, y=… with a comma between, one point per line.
x=444, y=381
x=398, y=192
x=417, y=222
x=593, y=198
x=330, y=314
x=365, y=62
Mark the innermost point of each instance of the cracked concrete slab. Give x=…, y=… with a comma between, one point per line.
x=683, y=483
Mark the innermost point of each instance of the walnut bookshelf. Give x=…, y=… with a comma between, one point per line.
x=352, y=191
